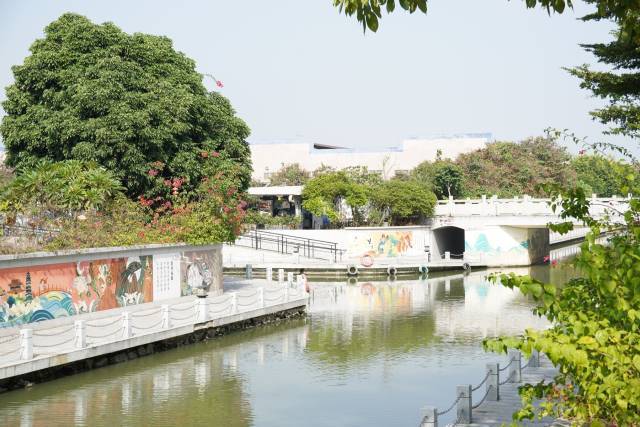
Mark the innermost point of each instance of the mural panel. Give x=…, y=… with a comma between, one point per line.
x=381, y=244
x=36, y=293
x=44, y=292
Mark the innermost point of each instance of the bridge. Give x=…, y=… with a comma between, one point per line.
x=510, y=232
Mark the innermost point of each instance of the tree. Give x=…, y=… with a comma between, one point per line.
x=128, y=102
x=59, y=189
x=601, y=175
x=323, y=195
x=625, y=12
x=447, y=179
x=291, y=174
x=510, y=169
x=595, y=323
x=404, y=201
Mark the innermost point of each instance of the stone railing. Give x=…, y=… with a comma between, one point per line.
x=33, y=341
x=525, y=205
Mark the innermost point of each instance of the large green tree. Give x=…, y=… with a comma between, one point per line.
x=129, y=102
x=602, y=175
x=403, y=201
x=510, y=169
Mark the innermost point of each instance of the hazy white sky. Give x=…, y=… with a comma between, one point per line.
x=298, y=69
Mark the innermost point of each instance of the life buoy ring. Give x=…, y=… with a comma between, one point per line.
x=392, y=270
x=352, y=270
x=423, y=269
x=466, y=266
x=366, y=260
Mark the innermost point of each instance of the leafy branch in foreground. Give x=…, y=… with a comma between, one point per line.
x=595, y=335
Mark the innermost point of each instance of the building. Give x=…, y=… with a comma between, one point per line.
x=269, y=157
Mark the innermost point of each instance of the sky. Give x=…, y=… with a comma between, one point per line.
x=299, y=70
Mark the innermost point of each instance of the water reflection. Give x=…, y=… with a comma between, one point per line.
x=369, y=353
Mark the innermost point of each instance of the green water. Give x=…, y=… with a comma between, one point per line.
x=369, y=354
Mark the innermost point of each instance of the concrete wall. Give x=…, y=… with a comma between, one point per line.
x=47, y=285
x=269, y=157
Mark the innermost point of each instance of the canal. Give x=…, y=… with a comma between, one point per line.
x=369, y=353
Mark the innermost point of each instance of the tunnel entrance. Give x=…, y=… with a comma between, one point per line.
x=450, y=239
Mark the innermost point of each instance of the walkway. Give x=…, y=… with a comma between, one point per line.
x=496, y=396
x=42, y=345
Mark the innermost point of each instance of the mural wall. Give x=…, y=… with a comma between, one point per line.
x=381, y=244
x=43, y=292
x=501, y=245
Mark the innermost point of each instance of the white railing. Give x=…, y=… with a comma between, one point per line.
x=524, y=205
x=27, y=343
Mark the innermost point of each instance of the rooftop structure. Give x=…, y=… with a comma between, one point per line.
x=270, y=156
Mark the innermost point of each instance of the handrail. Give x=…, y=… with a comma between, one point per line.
x=288, y=236
x=287, y=244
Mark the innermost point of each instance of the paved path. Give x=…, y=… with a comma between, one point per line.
x=498, y=413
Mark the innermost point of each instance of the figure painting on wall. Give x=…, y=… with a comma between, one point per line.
x=196, y=268
x=135, y=282
x=389, y=244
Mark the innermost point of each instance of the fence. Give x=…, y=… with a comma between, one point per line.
x=463, y=404
x=285, y=244
x=29, y=343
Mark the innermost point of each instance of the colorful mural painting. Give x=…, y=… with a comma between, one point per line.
x=43, y=292
x=381, y=244
x=32, y=294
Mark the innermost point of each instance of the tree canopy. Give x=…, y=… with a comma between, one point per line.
x=291, y=174
x=128, y=102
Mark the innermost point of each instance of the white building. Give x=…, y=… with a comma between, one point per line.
x=269, y=157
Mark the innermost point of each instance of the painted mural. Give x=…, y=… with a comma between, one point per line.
x=33, y=294
x=44, y=292
x=197, y=270
x=381, y=244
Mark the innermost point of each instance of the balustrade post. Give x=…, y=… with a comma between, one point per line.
x=515, y=358
x=463, y=407
x=248, y=271
x=203, y=310
x=81, y=334
x=166, y=318
x=280, y=275
x=261, y=297
x=534, y=359
x=126, y=324
x=290, y=278
x=269, y=274
x=447, y=255
x=493, y=381
x=234, y=303
x=429, y=416
x=26, y=344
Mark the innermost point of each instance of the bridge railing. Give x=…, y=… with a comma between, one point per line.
x=525, y=205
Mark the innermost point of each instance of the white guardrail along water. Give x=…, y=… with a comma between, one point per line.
x=27, y=343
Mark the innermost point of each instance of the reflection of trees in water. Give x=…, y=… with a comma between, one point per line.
x=378, y=325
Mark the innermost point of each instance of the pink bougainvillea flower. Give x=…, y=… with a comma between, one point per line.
x=167, y=182
x=152, y=172
x=219, y=83
x=581, y=152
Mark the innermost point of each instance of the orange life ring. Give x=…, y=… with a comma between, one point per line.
x=366, y=260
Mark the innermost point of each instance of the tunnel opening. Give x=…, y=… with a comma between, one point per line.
x=450, y=239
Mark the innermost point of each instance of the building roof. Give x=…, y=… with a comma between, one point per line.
x=282, y=190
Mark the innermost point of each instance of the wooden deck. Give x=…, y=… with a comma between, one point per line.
x=498, y=413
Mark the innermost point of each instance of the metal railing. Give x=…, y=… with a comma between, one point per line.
x=287, y=244
x=463, y=404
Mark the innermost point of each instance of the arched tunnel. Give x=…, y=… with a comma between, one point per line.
x=449, y=239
